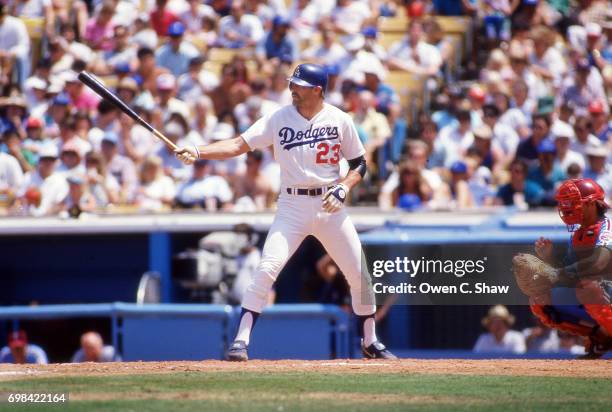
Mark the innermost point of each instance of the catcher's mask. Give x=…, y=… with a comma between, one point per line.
x=572, y=195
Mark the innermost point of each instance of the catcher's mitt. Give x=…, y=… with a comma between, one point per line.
x=534, y=276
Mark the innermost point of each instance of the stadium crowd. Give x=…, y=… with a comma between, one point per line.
x=529, y=107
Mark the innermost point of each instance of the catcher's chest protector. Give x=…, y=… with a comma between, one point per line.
x=598, y=234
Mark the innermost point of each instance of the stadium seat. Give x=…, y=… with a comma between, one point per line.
x=410, y=88
x=226, y=55
x=393, y=24
x=36, y=31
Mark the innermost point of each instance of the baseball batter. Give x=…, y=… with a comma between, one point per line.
x=309, y=138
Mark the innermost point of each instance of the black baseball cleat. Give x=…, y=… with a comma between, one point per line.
x=376, y=351
x=237, y=352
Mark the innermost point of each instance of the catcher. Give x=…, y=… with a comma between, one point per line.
x=575, y=296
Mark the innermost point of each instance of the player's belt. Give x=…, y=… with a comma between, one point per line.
x=307, y=192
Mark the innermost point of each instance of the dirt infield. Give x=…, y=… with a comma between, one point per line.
x=559, y=368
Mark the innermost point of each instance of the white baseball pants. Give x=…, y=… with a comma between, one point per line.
x=297, y=217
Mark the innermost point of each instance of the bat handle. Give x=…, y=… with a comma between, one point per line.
x=168, y=142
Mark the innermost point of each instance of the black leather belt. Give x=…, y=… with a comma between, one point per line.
x=307, y=192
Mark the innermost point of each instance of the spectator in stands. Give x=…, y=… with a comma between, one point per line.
x=197, y=81
x=81, y=97
x=585, y=88
x=228, y=92
x=370, y=34
x=50, y=185
x=412, y=190
x=177, y=53
x=70, y=157
x=413, y=54
x=143, y=34
x=349, y=17
x=239, y=29
x=519, y=191
x=460, y=195
x=488, y=150
x=59, y=60
x=527, y=150
x=19, y=351
x=77, y=50
x=127, y=90
x=546, y=60
x=167, y=103
x=14, y=49
x=600, y=123
x=454, y=7
x=93, y=350
x=329, y=52
x=195, y=15
x=416, y=151
x=13, y=112
x=11, y=177
x=521, y=99
x=147, y=70
x=122, y=53
x=121, y=167
x=102, y=185
x=68, y=136
x=204, y=190
x=540, y=338
x=373, y=124
x=455, y=139
x=203, y=120
x=563, y=134
x=161, y=18
x=79, y=198
x=505, y=139
x=156, y=191
x=99, y=31
x=500, y=338
x=304, y=16
x=546, y=173
x=277, y=43
x=598, y=169
x=253, y=191
x=584, y=138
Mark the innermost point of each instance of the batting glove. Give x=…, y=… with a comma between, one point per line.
x=334, y=198
x=187, y=155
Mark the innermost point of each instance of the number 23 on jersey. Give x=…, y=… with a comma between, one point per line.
x=324, y=155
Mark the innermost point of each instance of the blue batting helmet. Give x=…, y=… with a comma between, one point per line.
x=310, y=75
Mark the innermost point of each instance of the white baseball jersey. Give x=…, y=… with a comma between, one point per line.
x=308, y=151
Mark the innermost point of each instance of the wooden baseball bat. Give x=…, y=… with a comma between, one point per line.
x=97, y=86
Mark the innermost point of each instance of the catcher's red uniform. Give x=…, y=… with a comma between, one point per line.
x=593, y=307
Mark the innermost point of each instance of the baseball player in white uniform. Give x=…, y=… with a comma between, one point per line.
x=309, y=138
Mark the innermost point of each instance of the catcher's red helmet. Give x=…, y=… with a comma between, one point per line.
x=573, y=194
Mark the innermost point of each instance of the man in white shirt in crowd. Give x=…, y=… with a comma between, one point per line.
x=348, y=16
x=329, y=52
x=121, y=167
x=413, y=54
x=239, y=29
x=203, y=189
x=14, y=46
x=563, y=134
x=500, y=338
x=43, y=189
x=11, y=177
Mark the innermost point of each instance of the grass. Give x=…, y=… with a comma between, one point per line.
x=316, y=391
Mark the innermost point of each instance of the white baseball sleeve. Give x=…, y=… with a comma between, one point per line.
x=259, y=135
